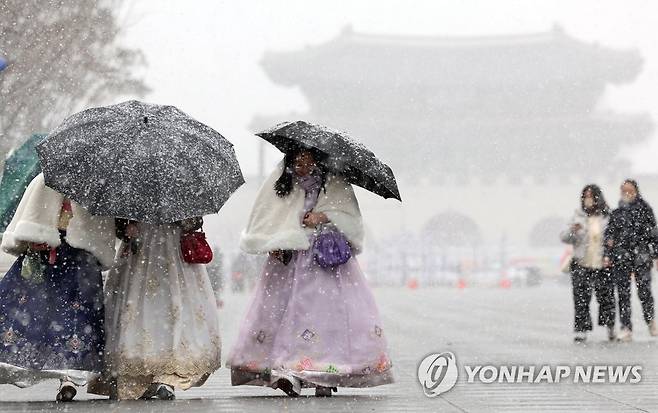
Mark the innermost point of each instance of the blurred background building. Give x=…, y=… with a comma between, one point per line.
x=492, y=139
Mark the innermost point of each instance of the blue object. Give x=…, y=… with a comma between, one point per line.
x=3, y=63
x=52, y=318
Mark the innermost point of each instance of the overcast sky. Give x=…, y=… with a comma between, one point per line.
x=203, y=55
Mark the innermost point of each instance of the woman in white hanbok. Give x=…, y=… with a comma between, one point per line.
x=161, y=315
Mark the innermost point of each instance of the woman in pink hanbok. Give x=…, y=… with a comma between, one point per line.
x=308, y=325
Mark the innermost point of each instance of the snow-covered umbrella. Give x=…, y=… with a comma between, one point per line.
x=345, y=155
x=140, y=161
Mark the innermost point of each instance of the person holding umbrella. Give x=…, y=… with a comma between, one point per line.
x=51, y=300
x=313, y=321
x=161, y=314
x=157, y=171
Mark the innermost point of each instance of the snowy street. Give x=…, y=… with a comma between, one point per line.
x=481, y=326
x=363, y=206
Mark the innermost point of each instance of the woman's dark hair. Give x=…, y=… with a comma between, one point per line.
x=600, y=207
x=283, y=185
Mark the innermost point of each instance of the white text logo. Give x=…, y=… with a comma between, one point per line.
x=437, y=373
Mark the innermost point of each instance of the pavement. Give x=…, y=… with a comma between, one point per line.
x=481, y=326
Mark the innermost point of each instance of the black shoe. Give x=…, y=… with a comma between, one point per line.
x=321, y=391
x=612, y=335
x=286, y=387
x=66, y=392
x=165, y=392
x=580, y=337
x=159, y=391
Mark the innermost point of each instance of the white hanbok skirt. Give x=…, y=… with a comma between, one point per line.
x=162, y=323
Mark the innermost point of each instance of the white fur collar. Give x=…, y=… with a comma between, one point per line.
x=37, y=217
x=275, y=224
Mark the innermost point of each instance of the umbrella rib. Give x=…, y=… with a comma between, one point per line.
x=197, y=170
x=216, y=136
x=158, y=176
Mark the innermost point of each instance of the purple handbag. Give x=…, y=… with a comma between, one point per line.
x=331, y=248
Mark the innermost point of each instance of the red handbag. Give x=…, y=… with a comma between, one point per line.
x=195, y=248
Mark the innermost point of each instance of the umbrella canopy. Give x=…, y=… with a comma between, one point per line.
x=21, y=167
x=140, y=161
x=346, y=156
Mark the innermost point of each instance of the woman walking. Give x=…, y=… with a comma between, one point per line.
x=51, y=300
x=631, y=245
x=311, y=323
x=588, y=275
x=161, y=315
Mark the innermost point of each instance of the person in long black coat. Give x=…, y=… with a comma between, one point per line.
x=631, y=241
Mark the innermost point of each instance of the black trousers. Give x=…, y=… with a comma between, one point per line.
x=585, y=283
x=622, y=273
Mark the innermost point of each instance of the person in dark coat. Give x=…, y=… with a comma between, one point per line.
x=588, y=275
x=631, y=241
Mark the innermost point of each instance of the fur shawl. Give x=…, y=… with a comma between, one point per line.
x=37, y=217
x=275, y=223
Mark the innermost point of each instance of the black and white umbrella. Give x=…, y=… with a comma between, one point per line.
x=346, y=156
x=145, y=162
